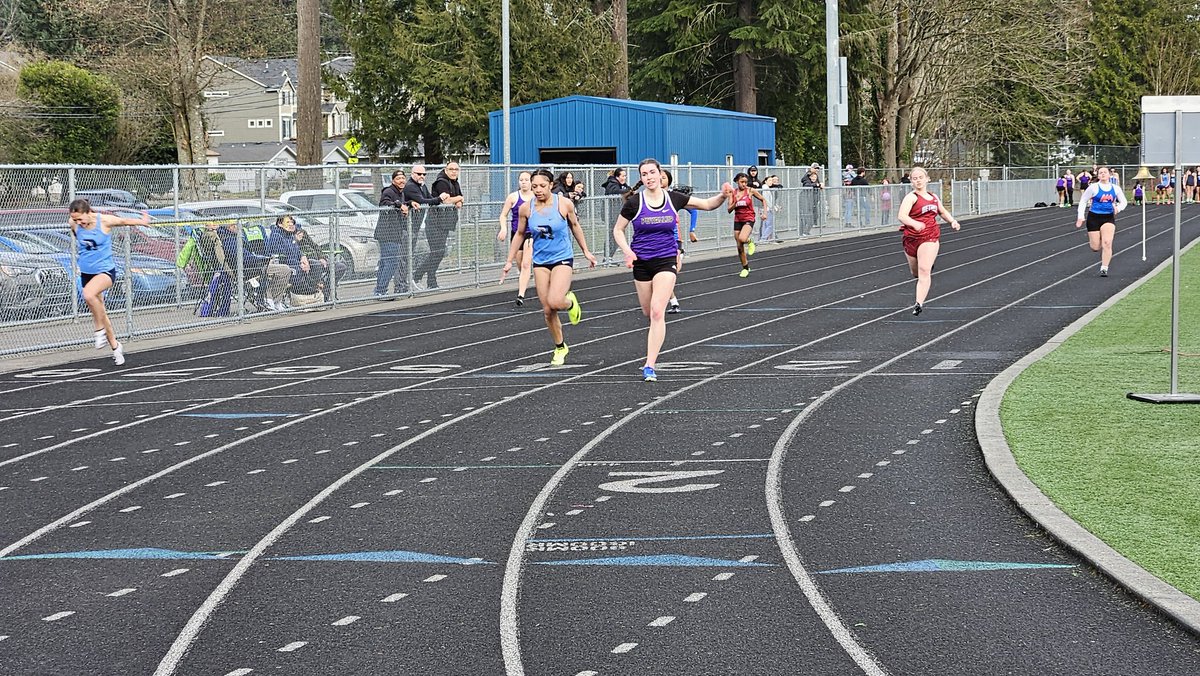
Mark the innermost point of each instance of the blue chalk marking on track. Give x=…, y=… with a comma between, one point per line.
x=661, y=538
x=740, y=345
x=395, y=556
x=236, y=416
x=944, y=566
x=660, y=560
x=139, y=553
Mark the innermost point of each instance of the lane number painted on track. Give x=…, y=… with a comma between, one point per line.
x=817, y=364
x=51, y=374
x=172, y=373
x=579, y=546
x=674, y=366
x=533, y=368
x=640, y=482
x=417, y=370
x=295, y=370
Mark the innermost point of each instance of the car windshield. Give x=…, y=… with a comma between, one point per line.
x=30, y=241
x=358, y=200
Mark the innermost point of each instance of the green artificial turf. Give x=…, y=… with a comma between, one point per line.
x=1127, y=471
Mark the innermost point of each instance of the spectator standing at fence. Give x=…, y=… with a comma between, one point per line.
x=812, y=179
x=1102, y=202
x=391, y=231
x=885, y=201
x=97, y=267
x=509, y=219
x=859, y=195
x=741, y=205
x=919, y=211
x=654, y=252
x=752, y=178
x=440, y=223
x=419, y=200
x=615, y=184
x=551, y=221
x=771, y=196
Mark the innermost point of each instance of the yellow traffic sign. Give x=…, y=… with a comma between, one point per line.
x=352, y=146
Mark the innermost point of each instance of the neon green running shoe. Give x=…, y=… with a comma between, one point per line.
x=560, y=355
x=574, y=312
x=744, y=273
x=750, y=248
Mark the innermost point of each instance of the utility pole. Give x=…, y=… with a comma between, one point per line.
x=308, y=89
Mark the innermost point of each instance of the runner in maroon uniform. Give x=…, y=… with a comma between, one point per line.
x=918, y=217
x=741, y=204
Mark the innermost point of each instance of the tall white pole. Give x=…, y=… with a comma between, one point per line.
x=1175, y=258
x=833, y=133
x=504, y=40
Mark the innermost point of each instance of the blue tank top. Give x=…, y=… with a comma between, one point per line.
x=1104, y=200
x=551, y=234
x=95, y=249
x=516, y=211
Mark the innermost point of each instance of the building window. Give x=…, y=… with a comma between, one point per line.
x=268, y=123
x=215, y=95
x=260, y=124
x=216, y=132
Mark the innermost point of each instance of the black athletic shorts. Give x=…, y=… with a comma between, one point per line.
x=86, y=277
x=569, y=262
x=1094, y=221
x=644, y=269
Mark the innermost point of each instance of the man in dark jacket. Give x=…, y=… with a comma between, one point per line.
x=442, y=220
x=418, y=198
x=615, y=184
x=391, y=231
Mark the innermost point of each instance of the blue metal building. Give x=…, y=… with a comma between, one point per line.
x=594, y=130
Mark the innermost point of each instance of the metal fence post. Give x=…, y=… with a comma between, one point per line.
x=478, y=281
x=128, y=287
x=241, y=272
x=179, y=274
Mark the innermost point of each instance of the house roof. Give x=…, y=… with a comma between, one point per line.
x=340, y=65
x=653, y=106
x=272, y=74
x=252, y=153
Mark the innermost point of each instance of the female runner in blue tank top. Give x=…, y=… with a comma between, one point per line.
x=97, y=268
x=508, y=227
x=657, y=240
x=550, y=221
x=1103, y=202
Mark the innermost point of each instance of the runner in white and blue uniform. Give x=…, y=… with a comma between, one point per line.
x=1103, y=201
x=509, y=214
x=97, y=268
x=657, y=240
x=550, y=222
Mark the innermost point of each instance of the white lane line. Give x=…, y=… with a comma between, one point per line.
x=117, y=459
x=753, y=427
x=41, y=478
x=376, y=436
x=662, y=621
x=293, y=646
x=826, y=503
x=590, y=422
x=808, y=517
x=3, y=636
x=694, y=597
x=122, y=592
x=423, y=422
x=127, y=510
x=548, y=524
x=290, y=461
x=542, y=439
x=956, y=410
x=939, y=422
x=624, y=648
x=926, y=431
x=256, y=471
x=883, y=463
x=9, y=445
x=78, y=524
x=240, y=672
x=460, y=469
x=428, y=479
x=349, y=619
x=319, y=519
x=58, y=616
x=735, y=435
x=898, y=452
x=573, y=512
x=148, y=451
x=211, y=436
x=240, y=429
x=393, y=598
x=845, y=489
x=215, y=483
x=514, y=449
x=173, y=496
x=173, y=573
x=359, y=505
x=748, y=559
x=603, y=498
x=434, y=578
x=718, y=443
x=80, y=429
x=911, y=442
x=721, y=577
x=323, y=451
x=396, y=491
x=48, y=436
x=946, y=365
x=79, y=468
x=865, y=475
x=488, y=458
x=350, y=443
x=588, y=673
x=182, y=443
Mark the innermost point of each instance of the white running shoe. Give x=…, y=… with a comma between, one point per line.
x=101, y=339
x=270, y=303
x=119, y=354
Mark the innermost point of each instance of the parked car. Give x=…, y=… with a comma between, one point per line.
x=32, y=286
x=362, y=183
x=111, y=197
x=359, y=250
x=353, y=208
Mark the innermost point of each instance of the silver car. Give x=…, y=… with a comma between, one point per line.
x=359, y=248
x=33, y=286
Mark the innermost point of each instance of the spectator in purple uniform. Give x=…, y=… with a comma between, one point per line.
x=508, y=226
x=657, y=240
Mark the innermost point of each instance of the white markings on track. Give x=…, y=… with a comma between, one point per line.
x=119, y=458
x=946, y=365
x=827, y=503
x=568, y=431
x=624, y=648
x=256, y=471
x=290, y=461
x=865, y=475
x=590, y=422
x=721, y=577
x=9, y=445
x=939, y=422
x=735, y=435
x=3, y=636
x=240, y=672
x=395, y=491
x=323, y=451
x=134, y=508
x=293, y=646
x=548, y=524
x=148, y=451
x=956, y=410
x=122, y=592
x=58, y=616
x=376, y=436
x=883, y=463
x=215, y=483
x=350, y=443
x=662, y=621
x=41, y=478
x=79, y=468
x=79, y=429
x=845, y=489
x=573, y=512
x=182, y=443
x=514, y=449
x=434, y=578
x=588, y=673
x=211, y=436
x=428, y=480
x=240, y=429
x=808, y=517
x=173, y=496
x=603, y=498
x=488, y=458
x=911, y=442
x=926, y=431
x=79, y=524
x=898, y=452
x=543, y=439
x=694, y=597
x=349, y=619
x=392, y=598
x=359, y=505
x=748, y=559
x=319, y=519
x=424, y=422
x=48, y=436
x=173, y=573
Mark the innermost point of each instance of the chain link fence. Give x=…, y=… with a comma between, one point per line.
x=204, y=260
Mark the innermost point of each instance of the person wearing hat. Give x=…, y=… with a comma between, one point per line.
x=848, y=174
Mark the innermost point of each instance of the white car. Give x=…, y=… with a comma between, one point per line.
x=360, y=250
x=353, y=208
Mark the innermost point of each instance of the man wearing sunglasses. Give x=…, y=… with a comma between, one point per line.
x=419, y=200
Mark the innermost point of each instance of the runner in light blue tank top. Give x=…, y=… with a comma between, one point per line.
x=97, y=268
x=550, y=222
x=1104, y=201
x=509, y=219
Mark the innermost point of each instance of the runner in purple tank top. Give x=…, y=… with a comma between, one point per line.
x=508, y=228
x=657, y=240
